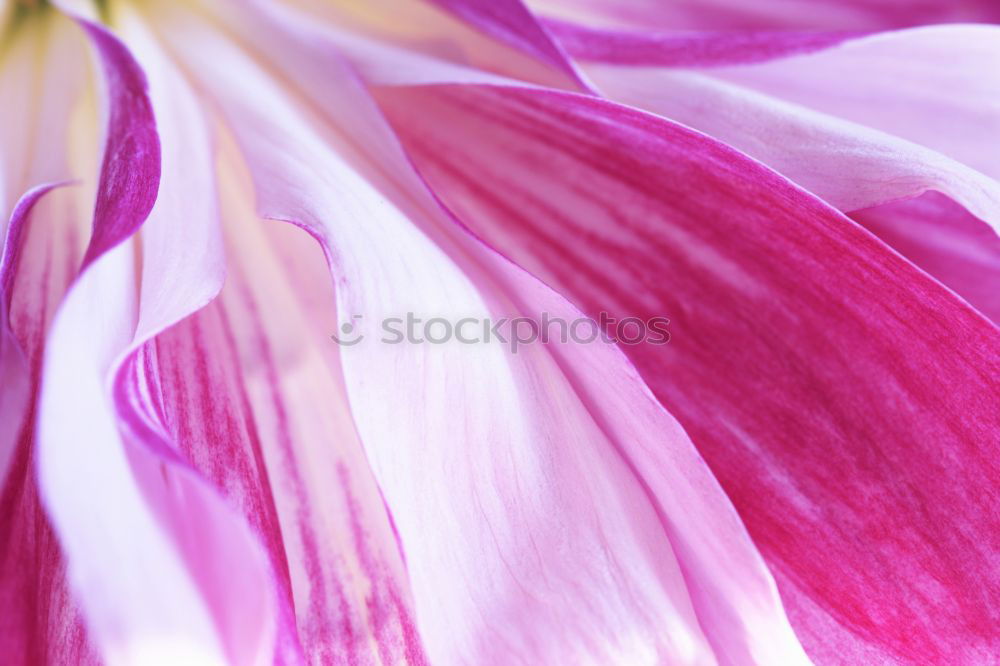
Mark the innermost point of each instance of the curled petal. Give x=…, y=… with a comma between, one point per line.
x=130, y=171
x=145, y=539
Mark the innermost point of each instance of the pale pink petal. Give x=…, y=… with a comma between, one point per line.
x=183, y=268
x=936, y=86
x=136, y=595
x=846, y=401
x=847, y=164
x=539, y=523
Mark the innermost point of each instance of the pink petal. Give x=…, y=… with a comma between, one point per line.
x=41, y=624
x=944, y=240
x=43, y=68
x=539, y=523
x=14, y=398
x=935, y=86
x=895, y=82
x=417, y=28
x=846, y=401
x=249, y=387
x=146, y=540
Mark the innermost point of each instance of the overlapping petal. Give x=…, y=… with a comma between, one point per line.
x=846, y=401
x=511, y=512
x=41, y=252
x=228, y=486
x=145, y=540
x=848, y=164
x=943, y=239
x=41, y=623
x=935, y=86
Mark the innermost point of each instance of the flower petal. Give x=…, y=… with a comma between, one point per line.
x=43, y=67
x=14, y=398
x=936, y=86
x=130, y=170
x=850, y=165
x=250, y=388
x=41, y=624
x=806, y=358
x=424, y=31
x=145, y=539
x=539, y=523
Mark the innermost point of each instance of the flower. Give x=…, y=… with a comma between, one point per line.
x=201, y=191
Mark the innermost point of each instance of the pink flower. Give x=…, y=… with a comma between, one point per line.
x=195, y=473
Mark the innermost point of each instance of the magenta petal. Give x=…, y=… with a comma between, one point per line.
x=130, y=171
x=847, y=402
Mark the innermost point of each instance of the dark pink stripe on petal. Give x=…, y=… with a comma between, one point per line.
x=130, y=171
